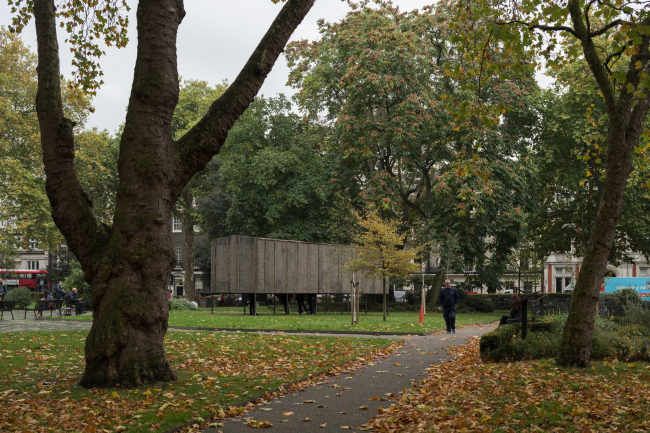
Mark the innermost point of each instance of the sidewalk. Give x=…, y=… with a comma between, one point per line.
x=346, y=399
x=30, y=324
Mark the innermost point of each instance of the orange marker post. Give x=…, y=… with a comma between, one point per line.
x=421, y=318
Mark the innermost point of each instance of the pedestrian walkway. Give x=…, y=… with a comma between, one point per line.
x=45, y=324
x=353, y=397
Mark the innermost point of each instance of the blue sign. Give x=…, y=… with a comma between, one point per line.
x=640, y=284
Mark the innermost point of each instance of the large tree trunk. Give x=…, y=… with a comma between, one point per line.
x=626, y=115
x=128, y=264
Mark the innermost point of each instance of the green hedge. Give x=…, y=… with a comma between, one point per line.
x=21, y=295
x=611, y=341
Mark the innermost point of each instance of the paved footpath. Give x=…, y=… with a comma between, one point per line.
x=337, y=403
x=20, y=323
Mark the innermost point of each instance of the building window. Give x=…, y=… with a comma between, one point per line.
x=644, y=272
x=198, y=284
x=179, y=256
x=33, y=265
x=177, y=225
x=197, y=229
x=563, y=277
x=33, y=245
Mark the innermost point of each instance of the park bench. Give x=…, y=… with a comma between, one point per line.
x=45, y=305
x=7, y=306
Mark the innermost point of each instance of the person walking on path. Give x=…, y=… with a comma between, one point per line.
x=3, y=289
x=447, y=301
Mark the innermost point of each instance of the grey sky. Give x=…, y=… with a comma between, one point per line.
x=215, y=39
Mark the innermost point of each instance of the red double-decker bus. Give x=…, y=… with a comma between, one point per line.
x=32, y=279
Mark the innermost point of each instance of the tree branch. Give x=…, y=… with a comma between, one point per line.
x=540, y=26
x=71, y=205
x=197, y=147
x=605, y=28
x=480, y=74
x=593, y=60
x=626, y=99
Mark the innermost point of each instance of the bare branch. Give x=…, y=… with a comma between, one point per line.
x=197, y=147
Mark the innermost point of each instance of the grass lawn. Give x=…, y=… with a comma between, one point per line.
x=533, y=396
x=372, y=322
x=39, y=372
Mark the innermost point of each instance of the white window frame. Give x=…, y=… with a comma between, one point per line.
x=179, y=256
x=177, y=225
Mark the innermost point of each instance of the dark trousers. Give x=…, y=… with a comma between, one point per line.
x=301, y=303
x=311, y=300
x=284, y=300
x=253, y=304
x=506, y=320
x=449, y=315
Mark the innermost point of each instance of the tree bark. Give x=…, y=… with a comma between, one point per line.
x=626, y=115
x=128, y=264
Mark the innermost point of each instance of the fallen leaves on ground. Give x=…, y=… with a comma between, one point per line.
x=466, y=394
x=40, y=371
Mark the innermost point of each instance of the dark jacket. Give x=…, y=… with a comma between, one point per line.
x=515, y=315
x=448, y=297
x=58, y=291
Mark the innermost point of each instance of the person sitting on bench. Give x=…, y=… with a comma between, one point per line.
x=75, y=300
x=515, y=312
x=48, y=297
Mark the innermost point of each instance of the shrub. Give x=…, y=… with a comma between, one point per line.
x=610, y=341
x=182, y=304
x=21, y=295
x=635, y=314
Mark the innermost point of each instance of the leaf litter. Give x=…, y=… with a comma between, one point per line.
x=40, y=371
x=466, y=394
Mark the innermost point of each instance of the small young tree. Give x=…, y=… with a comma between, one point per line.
x=380, y=251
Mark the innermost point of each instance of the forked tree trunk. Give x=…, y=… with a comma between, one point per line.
x=128, y=264
x=626, y=114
